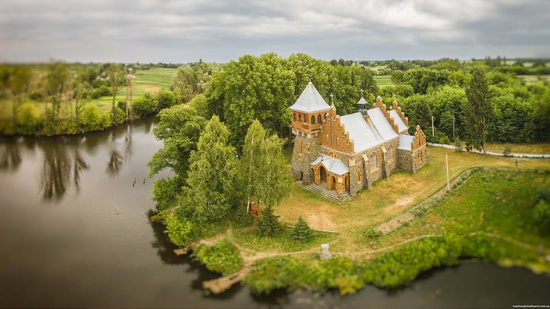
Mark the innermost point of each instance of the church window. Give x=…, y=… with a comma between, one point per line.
x=299, y=117
x=313, y=119
x=319, y=119
x=390, y=153
x=373, y=160
x=294, y=116
x=358, y=175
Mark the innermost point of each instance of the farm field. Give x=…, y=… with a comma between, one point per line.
x=383, y=80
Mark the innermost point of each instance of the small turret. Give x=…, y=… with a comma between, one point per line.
x=362, y=104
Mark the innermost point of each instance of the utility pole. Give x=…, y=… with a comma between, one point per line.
x=447, y=165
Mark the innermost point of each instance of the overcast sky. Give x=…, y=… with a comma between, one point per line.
x=222, y=30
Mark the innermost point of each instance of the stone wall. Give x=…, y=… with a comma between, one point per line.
x=305, y=151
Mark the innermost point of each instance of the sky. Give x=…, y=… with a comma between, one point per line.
x=222, y=30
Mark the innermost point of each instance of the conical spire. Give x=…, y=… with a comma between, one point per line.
x=310, y=101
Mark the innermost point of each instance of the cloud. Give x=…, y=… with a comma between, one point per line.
x=219, y=30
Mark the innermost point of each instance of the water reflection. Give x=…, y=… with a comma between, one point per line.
x=59, y=159
x=10, y=158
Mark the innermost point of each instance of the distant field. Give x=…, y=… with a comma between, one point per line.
x=520, y=148
x=383, y=80
x=146, y=81
x=531, y=79
x=153, y=80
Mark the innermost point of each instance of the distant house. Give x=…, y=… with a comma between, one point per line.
x=349, y=153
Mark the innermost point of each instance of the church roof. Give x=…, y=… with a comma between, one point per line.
x=363, y=134
x=397, y=120
x=310, y=101
x=381, y=124
x=362, y=101
x=333, y=165
x=405, y=142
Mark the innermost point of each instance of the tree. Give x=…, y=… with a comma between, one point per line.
x=145, y=105
x=114, y=73
x=19, y=79
x=252, y=163
x=57, y=75
x=477, y=111
x=269, y=225
x=165, y=99
x=185, y=84
x=302, y=232
x=211, y=176
x=179, y=129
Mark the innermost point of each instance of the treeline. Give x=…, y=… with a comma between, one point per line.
x=264, y=87
x=516, y=112
x=65, y=92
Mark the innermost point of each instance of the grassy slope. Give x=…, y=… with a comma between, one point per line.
x=383, y=80
x=387, y=198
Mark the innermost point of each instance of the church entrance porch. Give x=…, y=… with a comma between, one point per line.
x=331, y=172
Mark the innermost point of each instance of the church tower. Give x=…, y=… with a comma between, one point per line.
x=308, y=114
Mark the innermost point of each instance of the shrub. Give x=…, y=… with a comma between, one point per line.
x=90, y=119
x=178, y=231
x=268, y=225
x=373, y=233
x=28, y=120
x=145, y=105
x=223, y=257
x=302, y=232
x=118, y=117
x=242, y=218
x=165, y=99
x=507, y=150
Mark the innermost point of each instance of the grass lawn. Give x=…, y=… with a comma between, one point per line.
x=532, y=79
x=491, y=201
x=521, y=148
x=387, y=198
x=383, y=80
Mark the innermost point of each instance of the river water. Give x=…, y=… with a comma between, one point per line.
x=74, y=233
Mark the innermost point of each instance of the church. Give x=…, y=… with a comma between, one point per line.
x=349, y=153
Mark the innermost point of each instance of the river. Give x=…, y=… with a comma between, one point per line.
x=74, y=233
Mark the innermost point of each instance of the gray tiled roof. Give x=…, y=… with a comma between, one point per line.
x=310, y=101
x=397, y=120
x=333, y=165
x=362, y=101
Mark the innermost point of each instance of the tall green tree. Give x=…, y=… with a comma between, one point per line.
x=211, y=178
x=269, y=225
x=477, y=111
x=57, y=76
x=114, y=75
x=302, y=232
x=179, y=129
x=19, y=79
x=263, y=174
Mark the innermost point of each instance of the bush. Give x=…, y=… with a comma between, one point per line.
x=302, y=232
x=507, y=150
x=223, y=257
x=145, y=105
x=242, y=217
x=36, y=95
x=165, y=99
x=373, y=233
x=118, y=117
x=268, y=225
x=27, y=120
x=90, y=119
x=178, y=231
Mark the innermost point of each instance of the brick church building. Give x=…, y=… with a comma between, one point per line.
x=349, y=153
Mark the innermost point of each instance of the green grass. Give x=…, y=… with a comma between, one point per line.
x=383, y=80
x=491, y=201
x=532, y=79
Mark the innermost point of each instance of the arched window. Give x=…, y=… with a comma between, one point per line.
x=294, y=116
x=299, y=117
x=390, y=153
x=313, y=119
x=358, y=175
x=319, y=119
x=373, y=160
